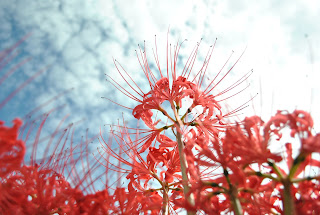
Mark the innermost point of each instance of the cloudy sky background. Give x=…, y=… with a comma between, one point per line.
x=79, y=38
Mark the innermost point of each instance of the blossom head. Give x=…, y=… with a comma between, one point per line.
x=177, y=97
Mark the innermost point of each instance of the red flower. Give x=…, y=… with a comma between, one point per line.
x=309, y=201
x=33, y=191
x=174, y=88
x=98, y=203
x=135, y=202
x=12, y=150
x=248, y=144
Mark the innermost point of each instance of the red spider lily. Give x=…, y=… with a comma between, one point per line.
x=158, y=170
x=170, y=159
x=309, y=201
x=247, y=143
x=243, y=152
x=172, y=89
x=32, y=191
x=145, y=170
x=38, y=186
x=96, y=203
x=12, y=150
x=135, y=202
x=24, y=189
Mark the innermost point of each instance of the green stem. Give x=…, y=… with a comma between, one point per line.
x=263, y=175
x=237, y=208
x=288, y=203
x=165, y=189
x=296, y=163
x=165, y=201
x=185, y=179
x=183, y=162
x=233, y=193
x=276, y=169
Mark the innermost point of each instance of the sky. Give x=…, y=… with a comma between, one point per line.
x=76, y=42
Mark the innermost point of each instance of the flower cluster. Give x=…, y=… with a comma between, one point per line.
x=198, y=160
x=188, y=155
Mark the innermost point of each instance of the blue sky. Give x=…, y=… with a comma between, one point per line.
x=79, y=38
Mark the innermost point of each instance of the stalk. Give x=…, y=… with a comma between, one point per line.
x=183, y=163
x=288, y=203
x=165, y=201
x=165, y=189
x=185, y=179
x=237, y=208
x=233, y=193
